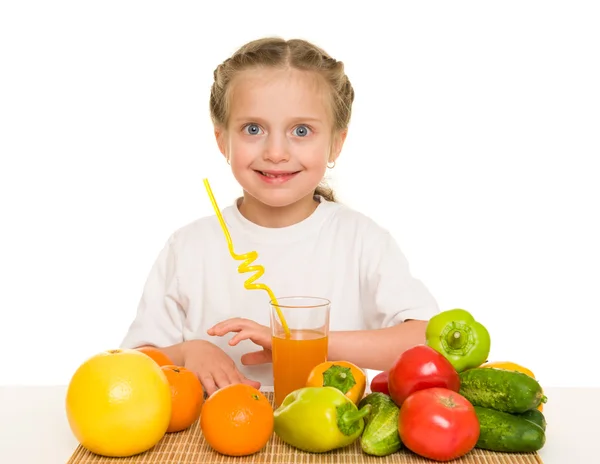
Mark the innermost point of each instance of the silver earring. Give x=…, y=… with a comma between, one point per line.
x=332, y=166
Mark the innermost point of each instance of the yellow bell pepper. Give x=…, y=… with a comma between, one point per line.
x=343, y=375
x=511, y=366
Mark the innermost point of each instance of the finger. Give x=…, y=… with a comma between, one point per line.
x=230, y=325
x=256, y=357
x=241, y=378
x=242, y=335
x=260, y=337
x=238, y=377
x=252, y=383
x=221, y=379
x=235, y=376
x=256, y=336
x=208, y=383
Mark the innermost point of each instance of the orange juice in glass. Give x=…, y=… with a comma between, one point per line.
x=296, y=354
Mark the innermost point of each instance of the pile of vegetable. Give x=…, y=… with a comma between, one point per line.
x=439, y=400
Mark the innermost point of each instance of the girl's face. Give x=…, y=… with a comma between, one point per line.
x=279, y=137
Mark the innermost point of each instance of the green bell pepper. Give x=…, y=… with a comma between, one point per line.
x=319, y=419
x=459, y=338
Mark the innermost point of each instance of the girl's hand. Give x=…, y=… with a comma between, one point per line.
x=212, y=366
x=246, y=330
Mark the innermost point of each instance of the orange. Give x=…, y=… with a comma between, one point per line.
x=187, y=397
x=237, y=420
x=158, y=356
x=118, y=403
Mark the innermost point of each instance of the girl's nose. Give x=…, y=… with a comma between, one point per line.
x=276, y=149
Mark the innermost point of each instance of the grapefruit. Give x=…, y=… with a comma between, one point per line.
x=118, y=403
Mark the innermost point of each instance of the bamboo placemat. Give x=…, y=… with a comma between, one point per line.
x=189, y=447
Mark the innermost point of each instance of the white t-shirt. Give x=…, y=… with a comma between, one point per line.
x=336, y=253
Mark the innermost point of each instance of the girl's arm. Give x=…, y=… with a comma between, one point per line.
x=376, y=349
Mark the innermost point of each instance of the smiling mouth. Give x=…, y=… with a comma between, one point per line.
x=277, y=175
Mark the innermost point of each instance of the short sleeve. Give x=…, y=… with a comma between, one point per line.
x=394, y=295
x=160, y=316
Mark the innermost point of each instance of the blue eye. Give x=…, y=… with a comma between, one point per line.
x=302, y=131
x=252, y=129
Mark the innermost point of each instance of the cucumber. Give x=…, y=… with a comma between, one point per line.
x=380, y=436
x=536, y=416
x=502, y=390
x=504, y=432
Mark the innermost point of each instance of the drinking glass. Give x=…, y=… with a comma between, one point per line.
x=296, y=354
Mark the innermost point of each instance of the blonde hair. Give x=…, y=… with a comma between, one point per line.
x=277, y=52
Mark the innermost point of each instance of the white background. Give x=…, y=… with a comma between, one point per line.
x=474, y=137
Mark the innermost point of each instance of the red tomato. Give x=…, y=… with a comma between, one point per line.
x=418, y=368
x=438, y=424
x=380, y=383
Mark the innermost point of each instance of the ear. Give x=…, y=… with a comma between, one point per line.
x=338, y=143
x=220, y=135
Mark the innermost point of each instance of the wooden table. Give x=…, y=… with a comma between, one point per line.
x=34, y=429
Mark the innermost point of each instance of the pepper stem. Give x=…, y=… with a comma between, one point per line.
x=457, y=338
x=349, y=417
x=339, y=377
x=352, y=416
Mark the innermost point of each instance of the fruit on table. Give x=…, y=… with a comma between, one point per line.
x=187, y=397
x=511, y=366
x=459, y=337
x=319, y=419
x=237, y=420
x=418, y=368
x=379, y=383
x=507, y=391
x=501, y=431
x=380, y=436
x=158, y=356
x=438, y=424
x=118, y=403
x=343, y=375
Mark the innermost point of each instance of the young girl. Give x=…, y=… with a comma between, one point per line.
x=280, y=111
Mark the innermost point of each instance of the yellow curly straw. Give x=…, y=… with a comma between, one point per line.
x=248, y=258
